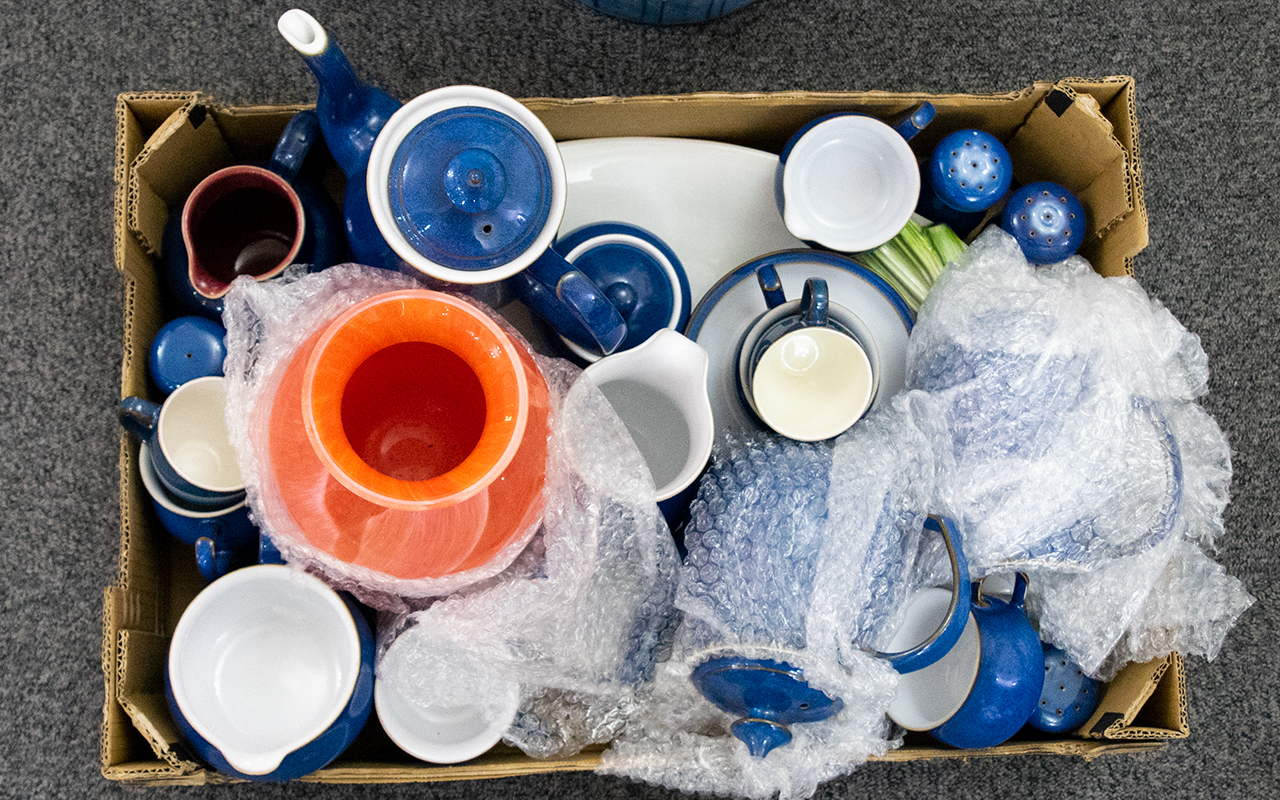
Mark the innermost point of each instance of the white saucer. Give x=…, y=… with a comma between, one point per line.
x=724, y=314
x=712, y=203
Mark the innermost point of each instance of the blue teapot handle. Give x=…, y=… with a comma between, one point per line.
x=138, y=416
x=569, y=301
x=291, y=150
x=945, y=637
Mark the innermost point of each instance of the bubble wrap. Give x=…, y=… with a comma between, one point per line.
x=581, y=618
x=1060, y=409
x=760, y=563
x=266, y=322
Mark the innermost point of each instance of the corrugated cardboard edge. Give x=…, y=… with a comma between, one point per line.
x=1132, y=708
x=130, y=606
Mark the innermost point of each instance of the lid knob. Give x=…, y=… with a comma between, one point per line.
x=475, y=181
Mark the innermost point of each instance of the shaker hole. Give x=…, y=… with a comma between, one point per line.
x=487, y=229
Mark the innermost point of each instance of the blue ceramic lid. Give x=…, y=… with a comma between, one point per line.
x=637, y=272
x=470, y=188
x=767, y=696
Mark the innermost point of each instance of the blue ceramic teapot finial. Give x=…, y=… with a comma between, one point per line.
x=767, y=697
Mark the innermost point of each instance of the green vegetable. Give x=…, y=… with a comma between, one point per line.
x=911, y=261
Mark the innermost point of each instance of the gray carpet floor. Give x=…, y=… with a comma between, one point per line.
x=1207, y=103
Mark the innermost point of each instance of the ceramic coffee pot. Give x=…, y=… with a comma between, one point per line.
x=462, y=184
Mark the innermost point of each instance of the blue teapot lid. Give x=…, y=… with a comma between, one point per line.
x=637, y=271
x=470, y=188
x=767, y=696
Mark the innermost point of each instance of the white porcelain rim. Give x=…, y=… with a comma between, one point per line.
x=834, y=237
x=402, y=123
x=229, y=584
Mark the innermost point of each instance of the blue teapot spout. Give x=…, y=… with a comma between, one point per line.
x=351, y=111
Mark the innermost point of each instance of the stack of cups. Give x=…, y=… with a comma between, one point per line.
x=189, y=469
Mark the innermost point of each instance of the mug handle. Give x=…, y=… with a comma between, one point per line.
x=291, y=150
x=571, y=303
x=770, y=286
x=212, y=562
x=813, y=303
x=914, y=121
x=948, y=633
x=138, y=416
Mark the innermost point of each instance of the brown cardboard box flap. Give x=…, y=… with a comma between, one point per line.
x=1144, y=701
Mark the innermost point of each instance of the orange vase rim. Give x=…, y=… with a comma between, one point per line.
x=416, y=315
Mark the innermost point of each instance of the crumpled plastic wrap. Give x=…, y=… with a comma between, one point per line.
x=582, y=617
x=768, y=577
x=1060, y=409
x=266, y=323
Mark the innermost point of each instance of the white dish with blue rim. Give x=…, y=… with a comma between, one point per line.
x=712, y=203
x=729, y=308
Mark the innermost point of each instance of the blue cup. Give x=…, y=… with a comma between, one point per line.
x=987, y=686
x=808, y=369
x=270, y=673
x=224, y=538
x=190, y=449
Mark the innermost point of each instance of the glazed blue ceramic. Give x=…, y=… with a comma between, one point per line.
x=639, y=274
x=320, y=750
x=1047, y=220
x=224, y=539
x=184, y=349
x=766, y=696
x=970, y=170
x=666, y=12
x=1010, y=676
x=323, y=243
x=1069, y=696
x=931, y=650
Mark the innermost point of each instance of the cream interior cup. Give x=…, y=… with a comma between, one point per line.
x=192, y=434
x=812, y=384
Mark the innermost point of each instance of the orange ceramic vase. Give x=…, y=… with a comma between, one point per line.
x=409, y=436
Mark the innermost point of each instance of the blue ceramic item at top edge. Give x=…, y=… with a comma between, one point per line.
x=666, y=12
x=186, y=348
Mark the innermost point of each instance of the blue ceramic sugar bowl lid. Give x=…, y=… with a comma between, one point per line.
x=767, y=696
x=466, y=185
x=639, y=274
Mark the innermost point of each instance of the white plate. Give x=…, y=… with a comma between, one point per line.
x=724, y=314
x=712, y=203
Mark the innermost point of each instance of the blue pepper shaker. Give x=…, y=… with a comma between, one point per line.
x=1069, y=697
x=1047, y=220
x=968, y=173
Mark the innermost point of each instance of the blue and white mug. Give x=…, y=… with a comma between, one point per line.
x=807, y=368
x=190, y=448
x=224, y=538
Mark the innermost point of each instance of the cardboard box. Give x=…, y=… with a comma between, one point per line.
x=1079, y=133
